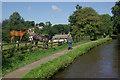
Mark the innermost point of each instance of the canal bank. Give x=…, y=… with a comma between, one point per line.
x=100, y=62
x=53, y=66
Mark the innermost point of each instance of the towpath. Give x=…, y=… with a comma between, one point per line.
x=22, y=71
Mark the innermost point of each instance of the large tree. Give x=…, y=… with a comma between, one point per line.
x=107, y=27
x=5, y=22
x=46, y=28
x=15, y=22
x=61, y=28
x=116, y=17
x=85, y=21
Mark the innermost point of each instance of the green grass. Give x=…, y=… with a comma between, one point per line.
x=114, y=36
x=20, y=60
x=14, y=45
x=45, y=71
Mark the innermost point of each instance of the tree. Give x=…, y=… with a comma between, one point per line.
x=85, y=21
x=15, y=19
x=61, y=28
x=57, y=29
x=28, y=24
x=15, y=22
x=4, y=22
x=41, y=24
x=78, y=7
x=116, y=17
x=107, y=27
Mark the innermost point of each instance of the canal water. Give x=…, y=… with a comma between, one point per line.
x=100, y=62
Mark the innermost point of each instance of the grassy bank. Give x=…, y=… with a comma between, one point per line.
x=114, y=36
x=20, y=60
x=53, y=66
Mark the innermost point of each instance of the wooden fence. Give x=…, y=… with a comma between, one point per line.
x=28, y=44
x=31, y=45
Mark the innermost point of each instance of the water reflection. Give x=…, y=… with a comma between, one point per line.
x=100, y=62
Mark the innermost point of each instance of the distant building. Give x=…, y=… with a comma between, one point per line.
x=40, y=27
x=31, y=33
x=31, y=29
x=61, y=37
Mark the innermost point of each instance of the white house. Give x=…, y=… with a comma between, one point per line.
x=40, y=27
x=31, y=29
x=31, y=33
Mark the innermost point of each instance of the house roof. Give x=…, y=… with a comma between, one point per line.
x=32, y=34
x=60, y=36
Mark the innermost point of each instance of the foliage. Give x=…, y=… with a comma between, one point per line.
x=61, y=28
x=5, y=22
x=52, y=30
x=116, y=17
x=37, y=30
x=45, y=71
x=15, y=22
x=85, y=21
x=46, y=30
x=107, y=27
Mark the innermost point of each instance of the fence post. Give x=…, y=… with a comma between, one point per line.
x=47, y=43
x=17, y=45
x=58, y=42
x=51, y=43
x=36, y=43
x=64, y=41
x=43, y=45
x=32, y=44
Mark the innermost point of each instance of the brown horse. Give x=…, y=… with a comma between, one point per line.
x=17, y=34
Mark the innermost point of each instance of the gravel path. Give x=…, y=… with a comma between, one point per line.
x=22, y=71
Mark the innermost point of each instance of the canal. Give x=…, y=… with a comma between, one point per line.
x=100, y=62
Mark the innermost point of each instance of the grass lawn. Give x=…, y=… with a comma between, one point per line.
x=20, y=59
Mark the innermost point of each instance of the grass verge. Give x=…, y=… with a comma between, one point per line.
x=45, y=71
x=20, y=60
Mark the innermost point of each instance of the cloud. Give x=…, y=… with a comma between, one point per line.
x=29, y=8
x=56, y=9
